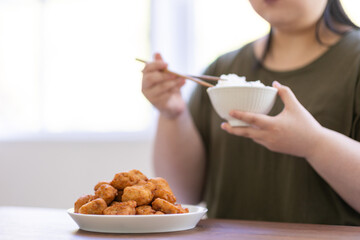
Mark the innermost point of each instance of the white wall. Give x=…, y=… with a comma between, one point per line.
x=55, y=174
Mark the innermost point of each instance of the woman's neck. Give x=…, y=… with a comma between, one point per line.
x=295, y=49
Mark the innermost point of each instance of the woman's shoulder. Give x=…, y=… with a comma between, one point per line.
x=351, y=41
x=343, y=54
x=354, y=36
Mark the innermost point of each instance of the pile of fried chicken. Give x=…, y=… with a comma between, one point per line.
x=130, y=193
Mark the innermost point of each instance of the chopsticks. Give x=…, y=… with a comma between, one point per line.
x=192, y=78
x=207, y=77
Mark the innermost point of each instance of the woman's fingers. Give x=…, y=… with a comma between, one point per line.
x=157, y=65
x=153, y=78
x=163, y=87
x=248, y=132
x=157, y=56
x=153, y=72
x=281, y=133
x=257, y=120
x=286, y=95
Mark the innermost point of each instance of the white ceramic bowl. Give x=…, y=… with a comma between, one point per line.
x=243, y=98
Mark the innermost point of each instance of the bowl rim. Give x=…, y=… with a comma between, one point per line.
x=243, y=87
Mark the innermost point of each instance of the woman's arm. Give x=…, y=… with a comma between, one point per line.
x=337, y=159
x=179, y=157
x=294, y=131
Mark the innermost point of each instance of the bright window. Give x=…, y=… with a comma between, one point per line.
x=69, y=65
x=91, y=80
x=223, y=26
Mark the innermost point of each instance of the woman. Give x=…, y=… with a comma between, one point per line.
x=301, y=163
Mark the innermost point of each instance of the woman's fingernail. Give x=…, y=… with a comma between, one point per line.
x=276, y=84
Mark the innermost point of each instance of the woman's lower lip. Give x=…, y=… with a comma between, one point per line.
x=270, y=1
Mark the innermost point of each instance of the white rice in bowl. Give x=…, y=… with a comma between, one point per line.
x=231, y=80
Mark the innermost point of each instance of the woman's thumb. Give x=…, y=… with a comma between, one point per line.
x=285, y=93
x=157, y=56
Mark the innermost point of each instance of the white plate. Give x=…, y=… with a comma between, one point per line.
x=139, y=223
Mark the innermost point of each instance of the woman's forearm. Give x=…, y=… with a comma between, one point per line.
x=179, y=156
x=337, y=159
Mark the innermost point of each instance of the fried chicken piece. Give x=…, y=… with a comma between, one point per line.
x=121, y=208
x=147, y=210
x=181, y=209
x=167, y=207
x=142, y=194
x=163, y=189
x=96, y=206
x=126, y=179
x=114, y=203
x=159, y=213
x=81, y=201
x=106, y=192
x=99, y=184
x=166, y=195
x=119, y=195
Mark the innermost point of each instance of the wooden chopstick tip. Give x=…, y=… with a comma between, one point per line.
x=141, y=60
x=199, y=81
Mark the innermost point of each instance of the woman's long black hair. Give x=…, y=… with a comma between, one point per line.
x=333, y=16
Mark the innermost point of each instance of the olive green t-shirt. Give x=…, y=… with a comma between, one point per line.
x=244, y=180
